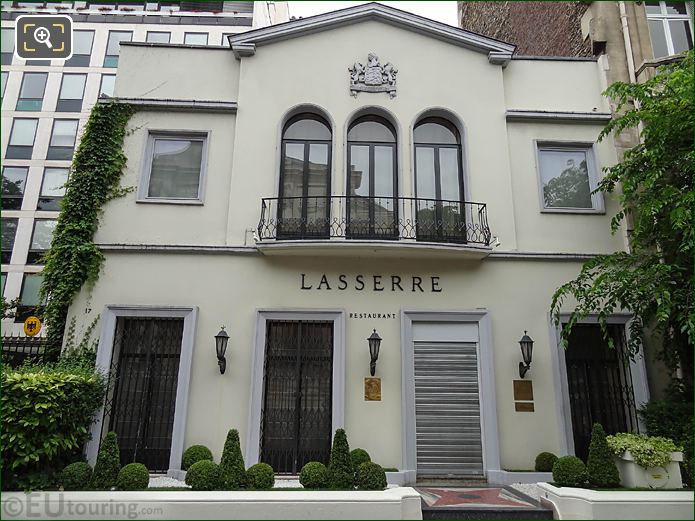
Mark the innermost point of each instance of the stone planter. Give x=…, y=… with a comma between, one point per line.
x=634, y=476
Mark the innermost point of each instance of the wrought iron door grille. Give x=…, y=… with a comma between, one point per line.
x=599, y=383
x=141, y=398
x=297, y=402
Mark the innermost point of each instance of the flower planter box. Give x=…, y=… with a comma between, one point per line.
x=634, y=476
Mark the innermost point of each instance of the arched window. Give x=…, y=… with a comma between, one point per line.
x=439, y=181
x=372, y=179
x=305, y=178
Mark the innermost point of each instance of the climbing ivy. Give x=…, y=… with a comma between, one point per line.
x=73, y=258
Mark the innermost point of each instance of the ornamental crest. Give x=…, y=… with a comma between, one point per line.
x=373, y=77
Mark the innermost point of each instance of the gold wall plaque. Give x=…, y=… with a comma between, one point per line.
x=523, y=390
x=524, y=407
x=372, y=389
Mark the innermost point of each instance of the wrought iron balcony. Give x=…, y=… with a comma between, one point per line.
x=374, y=218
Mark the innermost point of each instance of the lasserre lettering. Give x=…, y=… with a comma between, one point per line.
x=379, y=283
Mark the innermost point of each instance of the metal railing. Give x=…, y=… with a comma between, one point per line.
x=18, y=349
x=374, y=218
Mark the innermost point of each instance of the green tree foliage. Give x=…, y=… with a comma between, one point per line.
x=108, y=464
x=134, y=476
x=232, y=463
x=600, y=465
x=545, y=462
x=204, y=475
x=359, y=456
x=260, y=476
x=76, y=476
x=194, y=454
x=654, y=280
x=314, y=475
x=340, y=471
x=370, y=476
x=570, y=471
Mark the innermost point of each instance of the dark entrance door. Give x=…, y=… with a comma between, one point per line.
x=297, y=404
x=142, y=393
x=600, y=384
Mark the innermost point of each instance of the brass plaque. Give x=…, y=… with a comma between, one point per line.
x=523, y=407
x=372, y=389
x=523, y=390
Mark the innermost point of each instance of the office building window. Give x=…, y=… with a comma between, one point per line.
x=22, y=135
x=81, y=49
x=40, y=240
x=29, y=300
x=108, y=82
x=52, y=188
x=158, y=37
x=113, y=46
x=71, y=93
x=32, y=91
x=670, y=27
x=62, y=144
x=195, y=39
x=14, y=180
x=7, y=45
x=9, y=230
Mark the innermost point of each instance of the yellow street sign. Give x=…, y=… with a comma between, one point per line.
x=32, y=326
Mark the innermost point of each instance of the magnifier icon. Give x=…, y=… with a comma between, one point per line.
x=43, y=35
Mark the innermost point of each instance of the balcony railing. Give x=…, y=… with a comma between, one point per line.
x=373, y=218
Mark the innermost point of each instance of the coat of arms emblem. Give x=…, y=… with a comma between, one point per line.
x=373, y=77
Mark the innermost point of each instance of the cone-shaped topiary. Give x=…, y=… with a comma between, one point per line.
x=340, y=472
x=232, y=463
x=108, y=464
x=134, y=476
x=600, y=464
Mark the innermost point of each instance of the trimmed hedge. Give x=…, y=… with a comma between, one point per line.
x=204, y=475
x=570, y=471
x=134, y=476
x=232, y=463
x=340, y=472
x=359, y=456
x=108, y=464
x=46, y=415
x=194, y=454
x=314, y=475
x=370, y=476
x=600, y=464
x=76, y=476
x=545, y=462
x=260, y=476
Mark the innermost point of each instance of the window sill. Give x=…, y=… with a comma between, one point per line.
x=576, y=211
x=185, y=202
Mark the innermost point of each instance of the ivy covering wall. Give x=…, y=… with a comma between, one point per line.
x=73, y=259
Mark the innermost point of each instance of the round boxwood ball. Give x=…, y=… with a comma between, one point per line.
x=76, y=476
x=260, y=476
x=314, y=475
x=545, y=462
x=134, y=476
x=570, y=471
x=194, y=454
x=359, y=456
x=370, y=476
x=204, y=475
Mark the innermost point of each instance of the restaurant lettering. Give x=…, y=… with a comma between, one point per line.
x=393, y=283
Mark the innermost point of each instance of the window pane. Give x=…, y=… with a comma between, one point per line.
x=658, y=35
x=9, y=229
x=196, y=39
x=176, y=168
x=434, y=133
x=13, y=180
x=371, y=131
x=3, y=277
x=64, y=132
x=359, y=170
x=653, y=7
x=449, y=174
x=293, y=170
x=82, y=42
x=54, y=180
x=3, y=79
x=680, y=35
x=33, y=85
x=43, y=233
x=317, y=204
x=23, y=132
x=7, y=40
x=30, y=289
x=383, y=171
x=158, y=37
x=424, y=172
x=115, y=38
x=565, y=178
x=675, y=8
x=308, y=129
x=108, y=81
x=73, y=86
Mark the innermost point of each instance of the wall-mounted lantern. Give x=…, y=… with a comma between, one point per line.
x=374, y=344
x=526, y=344
x=221, y=340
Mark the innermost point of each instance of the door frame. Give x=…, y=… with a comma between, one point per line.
x=638, y=371
x=337, y=316
x=486, y=386
x=105, y=352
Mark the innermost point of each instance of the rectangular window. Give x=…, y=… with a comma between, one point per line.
x=40, y=240
x=175, y=167
x=3, y=79
x=568, y=178
x=108, y=82
x=113, y=46
x=52, y=188
x=14, y=180
x=158, y=37
x=71, y=93
x=9, y=230
x=81, y=49
x=7, y=45
x=32, y=91
x=29, y=300
x=22, y=135
x=195, y=38
x=62, y=144
x=670, y=27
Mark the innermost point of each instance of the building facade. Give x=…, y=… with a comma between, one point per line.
x=355, y=174
x=45, y=105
